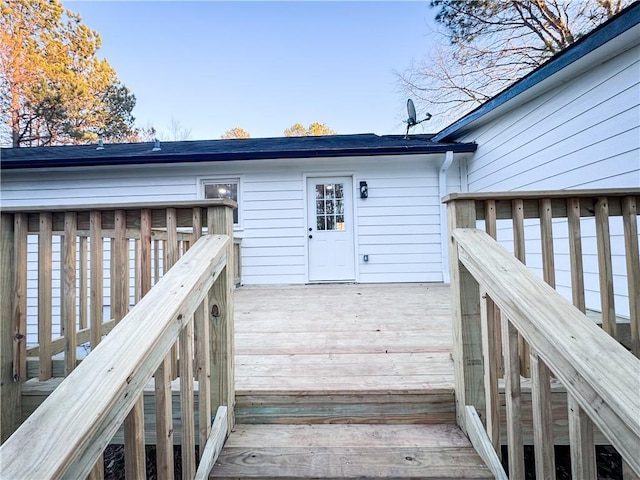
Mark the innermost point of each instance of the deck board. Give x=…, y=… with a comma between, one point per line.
x=348, y=451
x=339, y=338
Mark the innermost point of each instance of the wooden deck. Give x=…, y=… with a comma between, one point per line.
x=344, y=353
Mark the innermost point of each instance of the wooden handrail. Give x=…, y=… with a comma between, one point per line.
x=599, y=374
x=68, y=432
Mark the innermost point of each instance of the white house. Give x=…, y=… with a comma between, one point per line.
x=303, y=213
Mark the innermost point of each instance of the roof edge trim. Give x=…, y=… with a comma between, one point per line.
x=227, y=156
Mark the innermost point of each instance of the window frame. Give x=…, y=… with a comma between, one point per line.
x=213, y=180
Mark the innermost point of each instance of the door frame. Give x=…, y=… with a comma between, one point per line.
x=354, y=210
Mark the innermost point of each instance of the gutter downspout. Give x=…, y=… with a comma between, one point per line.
x=442, y=191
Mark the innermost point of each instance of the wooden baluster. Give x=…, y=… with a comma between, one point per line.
x=120, y=268
x=542, y=419
x=492, y=394
x=135, y=455
x=19, y=330
x=202, y=353
x=84, y=282
x=467, y=329
x=164, y=415
x=493, y=311
x=220, y=221
x=10, y=394
x=582, y=446
x=491, y=344
x=512, y=398
x=629, y=218
x=575, y=253
x=45, y=253
x=137, y=290
x=97, y=276
x=605, y=270
x=156, y=261
x=172, y=258
x=68, y=280
x=164, y=419
x=520, y=253
x=145, y=251
x=186, y=401
x=546, y=237
x=96, y=259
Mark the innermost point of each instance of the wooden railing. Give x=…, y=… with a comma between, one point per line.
x=497, y=299
x=186, y=313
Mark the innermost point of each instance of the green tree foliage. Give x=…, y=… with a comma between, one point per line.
x=53, y=88
x=489, y=44
x=236, y=132
x=315, y=130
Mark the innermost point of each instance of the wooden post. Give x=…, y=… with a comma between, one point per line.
x=220, y=221
x=10, y=393
x=467, y=331
x=20, y=297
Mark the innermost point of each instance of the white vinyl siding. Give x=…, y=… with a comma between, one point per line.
x=398, y=226
x=574, y=136
x=584, y=133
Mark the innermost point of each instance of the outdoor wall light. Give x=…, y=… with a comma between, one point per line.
x=364, y=190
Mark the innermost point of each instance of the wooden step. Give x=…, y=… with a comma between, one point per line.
x=348, y=451
x=374, y=407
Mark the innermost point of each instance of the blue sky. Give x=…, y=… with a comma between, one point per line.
x=265, y=65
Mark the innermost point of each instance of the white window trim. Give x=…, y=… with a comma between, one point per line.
x=208, y=180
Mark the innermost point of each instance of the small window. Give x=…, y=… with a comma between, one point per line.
x=223, y=189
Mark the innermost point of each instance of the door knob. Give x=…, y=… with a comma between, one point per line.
x=310, y=236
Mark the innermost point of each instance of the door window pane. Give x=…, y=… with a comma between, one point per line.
x=330, y=206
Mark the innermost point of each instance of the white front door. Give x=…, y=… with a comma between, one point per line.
x=330, y=229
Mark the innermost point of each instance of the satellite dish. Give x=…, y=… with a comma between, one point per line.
x=411, y=110
x=412, y=121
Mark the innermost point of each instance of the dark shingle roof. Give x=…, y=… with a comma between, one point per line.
x=225, y=150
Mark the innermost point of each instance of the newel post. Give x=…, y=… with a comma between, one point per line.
x=10, y=388
x=220, y=221
x=467, y=335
